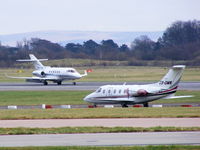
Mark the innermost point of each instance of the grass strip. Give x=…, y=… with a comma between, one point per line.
x=111, y=73
x=164, y=147
x=65, y=130
x=71, y=97
x=165, y=112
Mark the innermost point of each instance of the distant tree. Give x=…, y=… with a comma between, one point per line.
x=143, y=48
x=75, y=48
x=90, y=47
x=181, y=32
x=124, y=48
x=109, y=43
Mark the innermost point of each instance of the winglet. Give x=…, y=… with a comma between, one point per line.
x=85, y=74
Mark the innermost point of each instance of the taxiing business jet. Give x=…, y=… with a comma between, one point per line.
x=139, y=94
x=43, y=74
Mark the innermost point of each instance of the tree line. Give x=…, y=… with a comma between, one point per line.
x=180, y=41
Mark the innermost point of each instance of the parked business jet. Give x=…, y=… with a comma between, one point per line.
x=42, y=73
x=139, y=94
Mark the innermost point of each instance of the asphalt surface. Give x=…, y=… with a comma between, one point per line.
x=105, y=122
x=102, y=139
x=66, y=86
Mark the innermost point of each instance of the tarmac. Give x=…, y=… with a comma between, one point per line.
x=102, y=139
x=67, y=86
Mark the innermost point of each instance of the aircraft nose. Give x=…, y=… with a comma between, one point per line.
x=87, y=98
x=78, y=76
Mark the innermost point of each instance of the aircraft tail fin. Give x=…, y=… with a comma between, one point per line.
x=172, y=78
x=36, y=62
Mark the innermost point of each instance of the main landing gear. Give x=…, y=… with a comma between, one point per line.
x=124, y=105
x=146, y=105
x=45, y=83
x=59, y=82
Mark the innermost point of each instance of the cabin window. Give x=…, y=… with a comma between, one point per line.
x=119, y=91
x=114, y=91
x=104, y=91
x=108, y=91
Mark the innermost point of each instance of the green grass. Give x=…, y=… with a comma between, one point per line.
x=69, y=130
x=114, y=73
x=42, y=97
x=164, y=147
x=171, y=112
x=70, y=97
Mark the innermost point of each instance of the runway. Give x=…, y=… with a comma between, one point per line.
x=104, y=122
x=67, y=86
x=102, y=139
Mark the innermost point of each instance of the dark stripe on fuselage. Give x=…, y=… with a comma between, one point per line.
x=126, y=96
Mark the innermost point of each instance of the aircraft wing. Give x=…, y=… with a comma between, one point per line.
x=173, y=97
x=34, y=78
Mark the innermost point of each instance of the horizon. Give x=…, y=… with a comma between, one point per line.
x=37, y=31
x=64, y=37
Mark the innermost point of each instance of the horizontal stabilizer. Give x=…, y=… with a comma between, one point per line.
x=173, y=97
x=85, y=74
x=30, y=60
x=51, y=78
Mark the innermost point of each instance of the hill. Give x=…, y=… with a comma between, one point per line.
x=64, y=37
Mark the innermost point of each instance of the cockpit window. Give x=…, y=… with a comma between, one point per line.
x=72, y=71
x=98, y=90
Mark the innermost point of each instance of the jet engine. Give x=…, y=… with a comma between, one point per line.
x=39, y=73
x=43, y=73
x=140, y=92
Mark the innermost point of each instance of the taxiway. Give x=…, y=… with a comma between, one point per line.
x=67, y=86
x=102, y=139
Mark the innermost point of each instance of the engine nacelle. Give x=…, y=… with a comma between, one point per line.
x=43, y=73
x=140, y=92
x=39, y=73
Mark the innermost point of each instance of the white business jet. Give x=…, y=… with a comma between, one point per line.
x=42, y=73
x=139, y=94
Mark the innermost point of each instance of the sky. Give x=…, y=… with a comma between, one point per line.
x=20, y=16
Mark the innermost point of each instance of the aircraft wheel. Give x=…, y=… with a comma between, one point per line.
x=45, y=83
x=146, y=105
x=74, y=83
x=124, y=105
x=59, y=82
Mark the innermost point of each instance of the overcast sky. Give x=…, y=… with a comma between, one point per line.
x=17, y=16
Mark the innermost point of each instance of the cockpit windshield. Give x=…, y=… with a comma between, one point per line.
x=98, y=90
x=72, y=71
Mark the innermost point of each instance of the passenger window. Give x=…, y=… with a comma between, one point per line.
x=104, y=91
x=108, y=91
x=119, y=91
x=114, y=91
